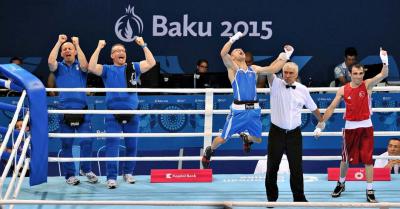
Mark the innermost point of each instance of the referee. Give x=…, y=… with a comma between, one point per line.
x=287, y=100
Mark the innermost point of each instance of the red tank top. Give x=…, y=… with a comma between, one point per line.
x=357, y=103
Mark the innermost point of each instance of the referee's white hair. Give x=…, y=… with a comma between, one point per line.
x=291, y=65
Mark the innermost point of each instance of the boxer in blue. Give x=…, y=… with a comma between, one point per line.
x=245, y=116
x=121, y=75
x=72, y=73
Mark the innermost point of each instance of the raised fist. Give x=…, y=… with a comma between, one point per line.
x=139, y=41
x=102, y=44
x=288, y=51
x=236, y=37
x=282, y=56
x=384, y=56
x=62, y=38
x=75, y=40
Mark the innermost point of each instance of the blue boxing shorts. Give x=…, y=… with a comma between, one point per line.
x=243, y=118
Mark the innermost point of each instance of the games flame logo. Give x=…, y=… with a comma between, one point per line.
x=129, y=25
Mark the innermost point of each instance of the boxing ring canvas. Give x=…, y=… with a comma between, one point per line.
x=237, y=187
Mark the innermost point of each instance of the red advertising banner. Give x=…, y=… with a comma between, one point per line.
x=180, y=175
x=358, y=174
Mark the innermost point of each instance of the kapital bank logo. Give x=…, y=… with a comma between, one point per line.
x=128, y=26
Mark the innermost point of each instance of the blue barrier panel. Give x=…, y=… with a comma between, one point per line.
x=38, y=119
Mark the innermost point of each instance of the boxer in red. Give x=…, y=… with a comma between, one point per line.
x=358, y=134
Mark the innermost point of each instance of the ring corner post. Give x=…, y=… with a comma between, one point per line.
x=37, y=102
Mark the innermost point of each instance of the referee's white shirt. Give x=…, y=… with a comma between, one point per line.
x=287, y=103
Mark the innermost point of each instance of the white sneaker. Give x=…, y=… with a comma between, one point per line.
x=72, y=180
x=129, y=178
x=112, y=183
x=92, y=178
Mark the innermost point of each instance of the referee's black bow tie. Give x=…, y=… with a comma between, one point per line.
x=290, y=86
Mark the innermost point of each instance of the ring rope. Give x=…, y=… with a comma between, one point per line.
x=18, y=167
x=191, y=91
x=21, y=180
x=142, y=112
x=190, y=112
x=13, y=122
x=206, y=203
x=147, y=135
x=14, y=153
x=196, y=158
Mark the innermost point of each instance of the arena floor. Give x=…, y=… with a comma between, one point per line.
x=238, y=187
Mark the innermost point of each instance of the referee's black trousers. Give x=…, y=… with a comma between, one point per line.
x=290, y=142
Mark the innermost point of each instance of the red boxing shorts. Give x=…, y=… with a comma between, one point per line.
x=358, y=145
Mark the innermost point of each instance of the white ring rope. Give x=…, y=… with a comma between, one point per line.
x=206, y=203
x=196, y=158
x=13, y=155
x=191, y=91
x=12, y=123
x=191, y=112
x=21, y=180
x=7, y=84
x=147, y=135
x=18, y=167
x=142, y=112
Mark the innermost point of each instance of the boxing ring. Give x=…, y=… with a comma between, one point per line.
x=226, y=191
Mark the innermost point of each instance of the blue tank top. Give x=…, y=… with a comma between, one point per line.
x=114, y=77
x=71, y=77
x=244, y=85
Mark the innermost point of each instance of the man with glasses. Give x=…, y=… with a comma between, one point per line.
x=121, y=74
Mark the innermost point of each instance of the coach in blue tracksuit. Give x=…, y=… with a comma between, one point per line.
x=72, y=73
x=121, y=75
